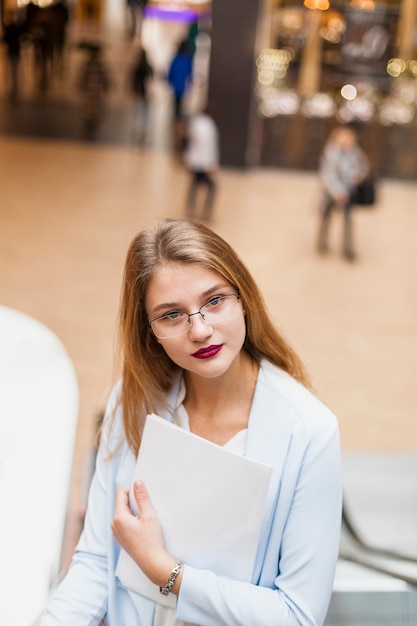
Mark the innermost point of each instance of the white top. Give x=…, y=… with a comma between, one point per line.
x=202, y=151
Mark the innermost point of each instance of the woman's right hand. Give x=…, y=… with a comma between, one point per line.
x=141, y=535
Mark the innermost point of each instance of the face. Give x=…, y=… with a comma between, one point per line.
x=205, y=350
x=346, y=139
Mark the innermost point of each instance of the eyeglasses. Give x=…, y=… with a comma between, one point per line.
x=177, y=323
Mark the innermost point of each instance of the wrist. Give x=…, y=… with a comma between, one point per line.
x=173, y=581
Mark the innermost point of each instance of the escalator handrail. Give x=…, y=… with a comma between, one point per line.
x=350, y=527
x=410, y=580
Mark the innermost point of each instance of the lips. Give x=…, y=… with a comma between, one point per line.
x=207, y=353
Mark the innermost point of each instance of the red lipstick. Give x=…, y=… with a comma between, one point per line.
x=207, y=353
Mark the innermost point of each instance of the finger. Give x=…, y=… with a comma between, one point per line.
x=122, y=499
x=121, y=509
x=142, y=498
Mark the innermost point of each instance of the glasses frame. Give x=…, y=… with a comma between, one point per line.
x=190, y=315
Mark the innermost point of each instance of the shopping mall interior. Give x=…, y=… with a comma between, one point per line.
x=72, y=201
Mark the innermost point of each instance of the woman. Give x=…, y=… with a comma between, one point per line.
x=343, y=165
x=199, y=349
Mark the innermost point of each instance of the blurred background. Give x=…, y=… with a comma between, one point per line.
x=87, y=159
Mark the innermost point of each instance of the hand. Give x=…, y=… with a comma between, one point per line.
x=141, y=535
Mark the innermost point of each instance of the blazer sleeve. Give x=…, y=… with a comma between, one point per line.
x=303, y=551
x=81, y=598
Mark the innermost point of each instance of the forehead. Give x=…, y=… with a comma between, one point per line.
x=174, y=282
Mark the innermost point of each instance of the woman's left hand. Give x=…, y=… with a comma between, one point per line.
x=141, y=535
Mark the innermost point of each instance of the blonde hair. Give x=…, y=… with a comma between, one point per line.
x=147, y=372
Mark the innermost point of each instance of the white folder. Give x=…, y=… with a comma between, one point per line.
x=209, y=501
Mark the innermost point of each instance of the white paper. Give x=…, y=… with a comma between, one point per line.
x=209, y=502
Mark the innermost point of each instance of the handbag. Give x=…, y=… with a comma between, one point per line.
x=365, y=193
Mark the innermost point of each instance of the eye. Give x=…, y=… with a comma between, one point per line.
x=174, y=315
x=213, y=302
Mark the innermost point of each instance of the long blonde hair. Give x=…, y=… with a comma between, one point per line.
x=147, y=372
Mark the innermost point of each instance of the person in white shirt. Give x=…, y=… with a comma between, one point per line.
x=201, y=157
x=199, y=349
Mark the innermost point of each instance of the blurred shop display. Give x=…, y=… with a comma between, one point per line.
x=337, y=62
x=360, y=74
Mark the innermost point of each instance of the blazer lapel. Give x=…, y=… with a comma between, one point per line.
x=269, y=437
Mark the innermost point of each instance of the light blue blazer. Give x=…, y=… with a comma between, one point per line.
x=289, y=429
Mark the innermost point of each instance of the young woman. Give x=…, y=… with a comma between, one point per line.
x=199, y=349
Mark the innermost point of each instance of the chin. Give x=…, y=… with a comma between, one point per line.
x=213, y=369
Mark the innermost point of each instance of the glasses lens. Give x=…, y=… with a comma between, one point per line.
x=219, y=309
x=170, y=325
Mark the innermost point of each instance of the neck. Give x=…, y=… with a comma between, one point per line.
x=219, y=408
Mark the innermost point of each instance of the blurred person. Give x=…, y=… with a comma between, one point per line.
x=140, y=77
x=179, y=76
x=192, y=35
x=134, y=13
x=13, y=31
x=41, y=26
x=201, y=157
x=61, y=17
x=93, y=84
x=199, y=348
x=343, y=165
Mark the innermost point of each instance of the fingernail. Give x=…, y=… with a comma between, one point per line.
x=139, y=486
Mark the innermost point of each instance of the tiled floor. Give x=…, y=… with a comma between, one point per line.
x=69, y=209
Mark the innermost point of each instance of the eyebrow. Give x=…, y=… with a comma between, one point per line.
x=205, y=294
